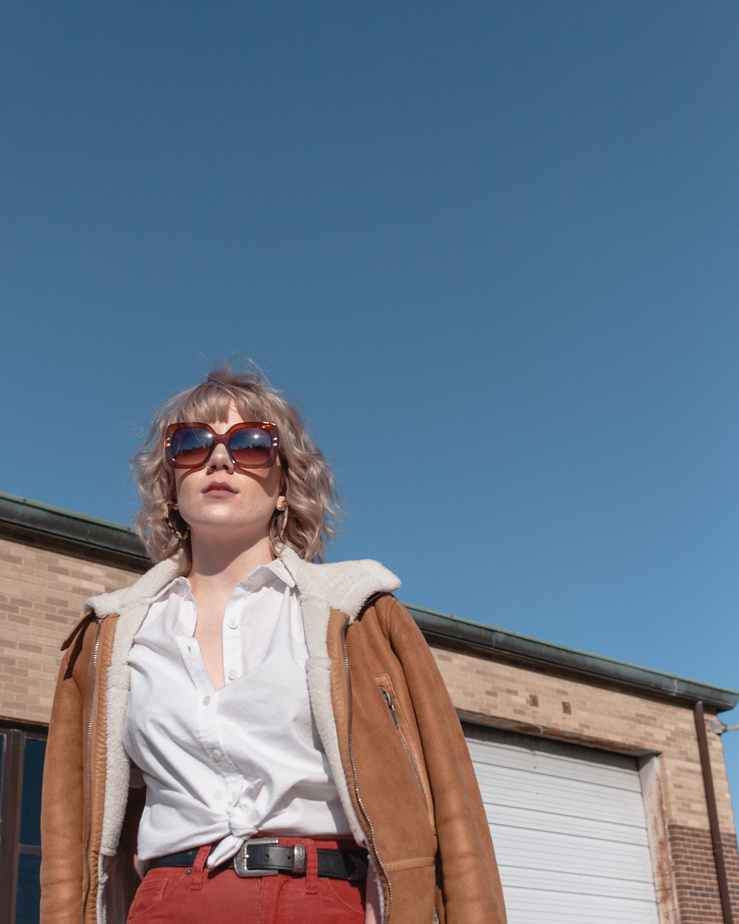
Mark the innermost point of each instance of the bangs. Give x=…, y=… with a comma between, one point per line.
x=210, y=402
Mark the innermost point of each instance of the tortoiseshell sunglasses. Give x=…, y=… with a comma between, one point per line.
x=250, y=445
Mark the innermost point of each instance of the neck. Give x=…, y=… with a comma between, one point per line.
x=216, y=562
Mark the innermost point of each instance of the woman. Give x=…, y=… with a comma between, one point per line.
x=263, y=737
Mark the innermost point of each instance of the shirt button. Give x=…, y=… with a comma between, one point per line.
x=232, y=675
x=233, y=624
x=206, y=701
x=216, y=755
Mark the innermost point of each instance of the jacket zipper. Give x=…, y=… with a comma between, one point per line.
x=88, y=833
x=391, y=706
x=377, y=857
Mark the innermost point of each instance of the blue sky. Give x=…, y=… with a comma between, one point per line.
x=490, y=247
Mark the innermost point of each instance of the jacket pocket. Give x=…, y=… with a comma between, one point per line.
x=410, y=745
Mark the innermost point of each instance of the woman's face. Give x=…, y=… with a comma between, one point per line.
x=221, y=500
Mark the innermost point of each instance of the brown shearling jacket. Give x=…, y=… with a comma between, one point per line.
x=385, y=720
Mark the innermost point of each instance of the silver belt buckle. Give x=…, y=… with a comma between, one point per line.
x=242, y=857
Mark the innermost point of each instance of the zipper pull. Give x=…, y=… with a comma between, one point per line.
x=389, y=700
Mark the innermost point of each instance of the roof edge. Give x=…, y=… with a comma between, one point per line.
x=452, y=632
x=82, y=531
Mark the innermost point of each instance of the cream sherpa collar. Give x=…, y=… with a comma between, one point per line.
x=343, y=585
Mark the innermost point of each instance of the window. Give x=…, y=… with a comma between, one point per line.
x=21, y=770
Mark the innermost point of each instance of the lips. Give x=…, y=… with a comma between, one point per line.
x=219, y=487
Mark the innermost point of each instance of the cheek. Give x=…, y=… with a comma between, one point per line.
x=275, y=480
x=278, y=473
x=178, y=479
x=268, y=481
x=184, y=488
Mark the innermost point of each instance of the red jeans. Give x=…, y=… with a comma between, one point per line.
x=175, y=895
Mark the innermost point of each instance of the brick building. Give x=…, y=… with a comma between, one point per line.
x=605, y=783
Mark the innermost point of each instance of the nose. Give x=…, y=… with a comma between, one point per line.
x=220, y=458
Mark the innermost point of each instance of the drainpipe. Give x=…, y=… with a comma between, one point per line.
x=718, y=850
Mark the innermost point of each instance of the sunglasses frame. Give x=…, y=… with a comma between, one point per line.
x=224, y=438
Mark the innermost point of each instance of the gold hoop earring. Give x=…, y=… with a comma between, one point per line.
x=167, y=517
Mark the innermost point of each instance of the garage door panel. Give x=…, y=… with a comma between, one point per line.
x=569, y=830
x=558, y=882
x=545, y=793
x=557, y=852
x=589, y=774
x=547, y=908
x=620, y=775
x=563, y=823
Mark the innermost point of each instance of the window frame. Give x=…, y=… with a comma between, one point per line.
x=15, y=736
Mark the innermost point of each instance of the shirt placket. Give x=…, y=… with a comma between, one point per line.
x=207, y=726
x=233, y=665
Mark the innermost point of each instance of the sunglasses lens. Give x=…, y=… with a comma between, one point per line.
x=191, y=446
x=251, y=447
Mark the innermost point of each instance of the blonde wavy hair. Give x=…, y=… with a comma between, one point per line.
x=309, y=487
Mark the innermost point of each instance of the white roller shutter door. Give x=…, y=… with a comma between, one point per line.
x=569, y=830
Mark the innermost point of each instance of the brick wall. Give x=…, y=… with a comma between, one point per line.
x=695, y=874
x=42, y=591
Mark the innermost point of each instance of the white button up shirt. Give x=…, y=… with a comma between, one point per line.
x=220, y=765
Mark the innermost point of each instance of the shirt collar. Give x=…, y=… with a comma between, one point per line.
x=273, y=572
x=179, y=586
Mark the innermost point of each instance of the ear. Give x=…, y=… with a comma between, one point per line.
x=281, y=502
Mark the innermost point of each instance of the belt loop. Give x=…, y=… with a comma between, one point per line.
x=311, y=867
x=198, y=867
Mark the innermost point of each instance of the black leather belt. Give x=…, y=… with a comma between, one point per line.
x=265, y=856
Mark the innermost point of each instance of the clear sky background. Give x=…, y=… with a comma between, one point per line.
x=491, y=247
